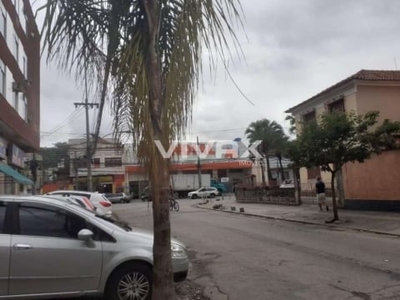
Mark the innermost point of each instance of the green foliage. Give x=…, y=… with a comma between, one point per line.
x=53, y=155
x=339, y=138
x=273, y=141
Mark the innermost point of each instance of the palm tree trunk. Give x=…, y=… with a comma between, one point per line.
x=269, y=173
x=262, y=172
x=281, y=167
x=163, y=288
x=297, y=185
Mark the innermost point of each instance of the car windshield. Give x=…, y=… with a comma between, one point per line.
x=112, y=220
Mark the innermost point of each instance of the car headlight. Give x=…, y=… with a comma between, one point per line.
x=177, y=250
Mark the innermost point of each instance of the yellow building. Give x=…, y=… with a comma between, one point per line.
x=374, y=183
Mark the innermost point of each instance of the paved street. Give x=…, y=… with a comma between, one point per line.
x=238, y=257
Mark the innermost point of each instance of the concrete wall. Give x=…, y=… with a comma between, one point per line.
x=375, y=179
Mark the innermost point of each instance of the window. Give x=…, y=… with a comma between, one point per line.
x=337, y=106
x=113, y=162
x=2, y=216
x=311, y=116
x=96, y=162
x=2, y=78
x=16, y=100
x=48, y=221
x=16, y=48
x=16, y=4
x=23, y=108
x=24, y=67
x=3, y=24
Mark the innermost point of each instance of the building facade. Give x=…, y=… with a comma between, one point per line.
x=19, y=91
x=374, y=183
x=108, y=171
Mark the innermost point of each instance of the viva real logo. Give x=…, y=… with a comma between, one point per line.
x=217, y=148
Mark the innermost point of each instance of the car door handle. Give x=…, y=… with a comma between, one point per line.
x=22, y=247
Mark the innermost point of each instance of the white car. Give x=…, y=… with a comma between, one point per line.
x=102, y=204
x=287, y=184
x=204, y=192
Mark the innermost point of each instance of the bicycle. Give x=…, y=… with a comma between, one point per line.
x=173, y=205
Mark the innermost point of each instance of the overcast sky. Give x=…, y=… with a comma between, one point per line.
x=294, y=49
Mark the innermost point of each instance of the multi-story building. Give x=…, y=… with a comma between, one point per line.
x=374, y=183
x=19, y=91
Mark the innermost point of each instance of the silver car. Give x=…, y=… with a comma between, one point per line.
x=102, y=204
x=51, y=248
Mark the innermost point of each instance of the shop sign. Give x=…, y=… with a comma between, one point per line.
x=17, y=157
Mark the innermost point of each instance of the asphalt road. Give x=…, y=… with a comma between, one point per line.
x=244, y=258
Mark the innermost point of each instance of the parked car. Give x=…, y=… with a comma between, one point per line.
x=81, y=201
x=204, y=192
x=118, y=198
x=102, y=204
x=55, y=249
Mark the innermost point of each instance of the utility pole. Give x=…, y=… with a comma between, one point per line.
x=76, y=171
x=198, y=163
x=89, y=153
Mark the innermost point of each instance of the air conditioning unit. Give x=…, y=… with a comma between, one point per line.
x=18, y=87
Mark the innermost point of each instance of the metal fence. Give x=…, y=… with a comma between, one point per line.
x=267, y=196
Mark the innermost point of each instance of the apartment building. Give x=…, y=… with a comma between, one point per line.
x=19, y=92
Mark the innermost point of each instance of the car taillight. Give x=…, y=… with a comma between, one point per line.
x=105, y=204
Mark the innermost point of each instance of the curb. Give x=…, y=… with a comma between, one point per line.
x=303, y=222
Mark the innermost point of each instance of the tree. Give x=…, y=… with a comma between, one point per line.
x=272, y=138
x=147, y=56
x=340, y=138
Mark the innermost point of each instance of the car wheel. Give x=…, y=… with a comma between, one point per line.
x=212, y=195
x=195, y=196
x=130, y=281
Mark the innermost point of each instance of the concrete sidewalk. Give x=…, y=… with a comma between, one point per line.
x=376, y=222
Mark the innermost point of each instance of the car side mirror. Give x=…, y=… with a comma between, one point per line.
x=85, y=235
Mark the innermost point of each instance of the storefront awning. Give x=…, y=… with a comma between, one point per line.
x=14, y=174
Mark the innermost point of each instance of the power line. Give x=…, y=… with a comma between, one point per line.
x=76, y=114
x=233, y=80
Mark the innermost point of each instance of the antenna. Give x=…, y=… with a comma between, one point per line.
x=395, y=63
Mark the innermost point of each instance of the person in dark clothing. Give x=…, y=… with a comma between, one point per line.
x=321, y=198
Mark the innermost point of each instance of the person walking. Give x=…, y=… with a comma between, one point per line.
x=321, y=198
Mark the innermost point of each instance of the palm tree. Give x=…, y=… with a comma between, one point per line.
x=147, y=57
x=272, y=136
